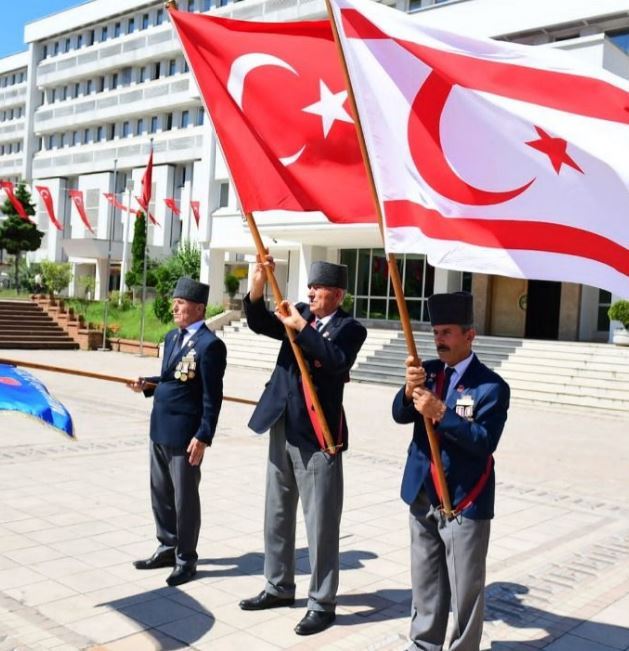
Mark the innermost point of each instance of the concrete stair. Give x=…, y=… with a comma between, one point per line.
x=570, y=374
x=25, y=325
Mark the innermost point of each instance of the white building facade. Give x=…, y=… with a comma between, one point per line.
x=102, y=81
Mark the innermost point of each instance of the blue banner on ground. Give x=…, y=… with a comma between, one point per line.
x=20, y=391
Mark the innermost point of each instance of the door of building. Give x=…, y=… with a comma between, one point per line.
x=507, y=307
x=542, y=309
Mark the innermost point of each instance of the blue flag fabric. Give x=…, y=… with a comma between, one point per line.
x=20, y=391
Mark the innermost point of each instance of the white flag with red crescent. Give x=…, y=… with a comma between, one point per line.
x=491, y=156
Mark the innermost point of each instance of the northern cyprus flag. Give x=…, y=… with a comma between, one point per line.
x=491, y=156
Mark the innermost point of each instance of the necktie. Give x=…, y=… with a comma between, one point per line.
x=178, y=343
x=446, y=382
x=318, y=325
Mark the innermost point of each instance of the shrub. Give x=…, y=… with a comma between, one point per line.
x=231, y=285
x=619, y=311
x=56, y=275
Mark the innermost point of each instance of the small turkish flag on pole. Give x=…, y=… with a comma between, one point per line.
x=77, y=199
x=170, y=203
x=44, y=193
x=7, y=186
x=147, y=184
x=195, y=207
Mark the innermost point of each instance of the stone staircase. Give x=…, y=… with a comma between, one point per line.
x=25, y=325
x=570, y=374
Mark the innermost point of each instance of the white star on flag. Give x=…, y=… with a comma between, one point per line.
x=329, y=107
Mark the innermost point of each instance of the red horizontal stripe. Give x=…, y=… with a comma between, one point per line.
x=511, y=234
x=573, y=93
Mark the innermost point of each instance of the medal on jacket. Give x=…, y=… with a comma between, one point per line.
x=187, y=366
x=465, y=407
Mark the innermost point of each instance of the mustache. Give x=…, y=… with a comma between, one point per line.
x=443, y=348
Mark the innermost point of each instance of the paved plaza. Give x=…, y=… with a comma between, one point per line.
x=74, y=515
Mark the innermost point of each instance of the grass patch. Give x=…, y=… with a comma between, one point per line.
x=125, y=323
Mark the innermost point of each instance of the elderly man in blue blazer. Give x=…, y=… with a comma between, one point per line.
x=187, y=399
x=298, y=467
x=467, y=403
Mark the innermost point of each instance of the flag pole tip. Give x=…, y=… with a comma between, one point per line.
x=171, y=4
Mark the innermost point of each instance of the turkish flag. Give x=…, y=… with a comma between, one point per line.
x=170, y=203
x=490, y=156
x=44, y=193
x=77, y=199
x=277, y=98
x=195, y=206
x=151, y=218
x=7, y=186
x=147, y=185
x=114, y=201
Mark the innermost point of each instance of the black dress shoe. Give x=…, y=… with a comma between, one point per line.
x=315, y=621
x=163, y=559
x=181, y=574
x=266, y=600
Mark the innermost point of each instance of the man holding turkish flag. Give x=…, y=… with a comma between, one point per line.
x=290, y=150
x=489, y=156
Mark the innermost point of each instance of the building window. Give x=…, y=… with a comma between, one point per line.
x=111, y=131
x=64, y=93
x=40, y=144
x=368, y=275
x=223, y=195
x=169, y=122
x=206, y=5
x=90, y=37
x=114, y=81
x=100, y=84
x=103, y=34
x=154, y=123
x=604, y=301
x=51, y=141
x=89, y=86
x=159, y=17
x=172, y=67
x=185, y=119
x=200, y=116
x=126, y=130
x=139, y=127
x=45, y=52
x=186, y=67
x=77, y=89
x=621, y=39
x=125, y=76
x=131, y=26
x=145, y=21
x=67, y=47
x=53, y=95
x=79, y=41
x=116, y=30
x=190, y=5
x=86, y=136
x=56, y=47
x=75, y=138
x=156, y=70
x=62, y=140
x=100, y=133
x=142, y=77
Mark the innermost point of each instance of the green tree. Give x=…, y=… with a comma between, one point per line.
x=16, y=234
x=186, y=262
x=57, y=275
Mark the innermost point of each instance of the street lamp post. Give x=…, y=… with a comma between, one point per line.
x=125, y=242
x=108, y=268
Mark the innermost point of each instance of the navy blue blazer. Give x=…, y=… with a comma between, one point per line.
x=465, y=443
x=330, y=355
x=182, y=410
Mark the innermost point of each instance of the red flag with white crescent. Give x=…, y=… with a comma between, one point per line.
x=114, y=201
x=44, y=193
x=7, y=186
x=195, y=206
x=146, y=212
x=147, y=184
x=292, y=150
x=170, y=203
x=489, y=156
x=77, y=199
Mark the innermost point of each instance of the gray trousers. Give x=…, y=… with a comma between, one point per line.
x=447, y=569
x=317, y=479
x=175, y=501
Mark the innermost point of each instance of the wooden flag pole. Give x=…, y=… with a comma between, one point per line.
x=394, y=273
x=299, y=356
x=97, y=376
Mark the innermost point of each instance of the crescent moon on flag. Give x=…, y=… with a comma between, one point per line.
x=238, y=72
x=427, y=151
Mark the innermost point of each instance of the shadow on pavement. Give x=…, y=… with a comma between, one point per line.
x=181, y=619
x=505, y=602
x=253, y=563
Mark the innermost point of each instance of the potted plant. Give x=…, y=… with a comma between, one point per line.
x=619, y=311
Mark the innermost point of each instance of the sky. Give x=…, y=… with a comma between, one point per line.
x=22, y=12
